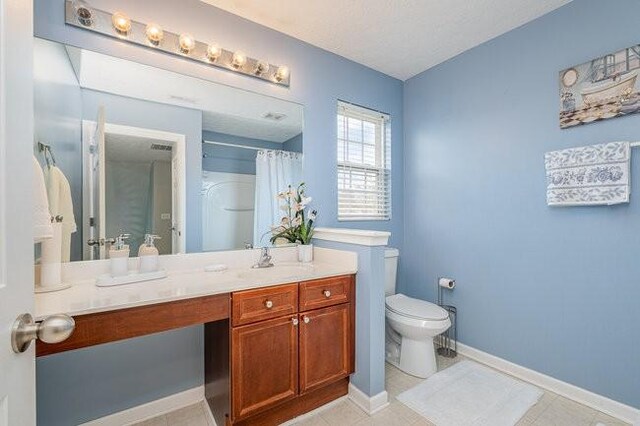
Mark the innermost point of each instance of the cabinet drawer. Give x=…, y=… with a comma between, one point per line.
x=325, y=292
x=264, y=303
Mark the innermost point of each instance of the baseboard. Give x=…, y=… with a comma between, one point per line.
x=598, y=402
x=369, y=404
x=208, y=413
x=151, y=409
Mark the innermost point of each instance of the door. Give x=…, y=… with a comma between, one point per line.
x=94, y=185
x=178, y=179
x=264, y=365
x=17, y=371
x=325, y=346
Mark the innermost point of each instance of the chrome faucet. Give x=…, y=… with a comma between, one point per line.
x=265, y=259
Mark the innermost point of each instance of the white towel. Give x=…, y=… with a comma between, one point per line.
x=589, y=175
x=41, y=217
x=61, y=204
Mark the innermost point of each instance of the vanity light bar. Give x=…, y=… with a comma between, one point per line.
x=118, y=25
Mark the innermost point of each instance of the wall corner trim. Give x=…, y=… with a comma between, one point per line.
x=151, y=409
x=369, y=404
x=361, y=237
x=601, y=403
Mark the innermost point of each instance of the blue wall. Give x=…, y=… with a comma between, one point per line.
x=294, y=144
x=553, y=289
x=319, y=79
x=139, y=113
x=78, y=386
x=369, y=376
x=229, y=159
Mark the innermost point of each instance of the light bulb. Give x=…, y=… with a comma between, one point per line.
x=154, y=33
x=83, y=13
x=262, y=67
x=121, y=23
x=213, y=52
x=238, y=60
x=282, y=73
x=187, y=43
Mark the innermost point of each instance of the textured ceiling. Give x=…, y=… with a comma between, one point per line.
x=400, y=38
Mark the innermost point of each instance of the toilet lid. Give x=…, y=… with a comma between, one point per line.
x=415, y=308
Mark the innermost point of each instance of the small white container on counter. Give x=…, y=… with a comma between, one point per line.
x=119, y=257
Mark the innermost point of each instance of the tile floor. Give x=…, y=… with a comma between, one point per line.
x=551, y=410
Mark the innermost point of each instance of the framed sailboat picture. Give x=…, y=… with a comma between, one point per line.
x=603, y=88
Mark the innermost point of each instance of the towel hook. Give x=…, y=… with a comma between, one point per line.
x=46, y=149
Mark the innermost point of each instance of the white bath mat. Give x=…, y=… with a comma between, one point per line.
x=468, y=393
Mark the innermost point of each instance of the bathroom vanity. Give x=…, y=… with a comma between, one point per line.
x=279, y=341
x=291, y=349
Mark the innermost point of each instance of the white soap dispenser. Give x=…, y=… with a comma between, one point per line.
x=119, y=256
x=148, y=254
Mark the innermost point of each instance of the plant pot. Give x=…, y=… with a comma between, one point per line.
x=305, y=253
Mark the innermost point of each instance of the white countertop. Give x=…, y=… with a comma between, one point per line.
x=187, y=279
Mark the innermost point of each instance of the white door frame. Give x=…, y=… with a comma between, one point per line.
x=17, y=371
x=178, y=175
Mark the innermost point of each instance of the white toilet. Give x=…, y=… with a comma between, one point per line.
x=411, y=326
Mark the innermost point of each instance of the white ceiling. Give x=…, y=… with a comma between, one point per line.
x=134, y=149
x=400, y=38
x=225, y=109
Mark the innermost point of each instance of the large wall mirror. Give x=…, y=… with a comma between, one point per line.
x=148, y=151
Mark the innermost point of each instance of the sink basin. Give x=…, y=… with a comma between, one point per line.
x=277, y=271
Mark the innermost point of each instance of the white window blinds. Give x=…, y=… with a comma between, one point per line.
x=364, y=164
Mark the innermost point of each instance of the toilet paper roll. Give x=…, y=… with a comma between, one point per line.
x=51, y=259
x=447, y=283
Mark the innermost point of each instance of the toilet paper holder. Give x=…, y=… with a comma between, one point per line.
x=447, y=342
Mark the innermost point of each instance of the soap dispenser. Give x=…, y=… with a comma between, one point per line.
x=119, y=256
x=148, y=254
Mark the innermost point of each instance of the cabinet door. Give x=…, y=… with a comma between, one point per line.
x=326, y=345
x=264, y=365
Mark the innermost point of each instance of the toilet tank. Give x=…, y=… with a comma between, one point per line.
x=390, y=270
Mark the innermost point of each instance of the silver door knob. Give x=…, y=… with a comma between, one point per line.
x=327, y=294
x=268, y=304
x=53, y=329
x=294, y=321
x=306, y=319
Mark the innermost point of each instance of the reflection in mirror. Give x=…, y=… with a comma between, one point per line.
x=127, y=139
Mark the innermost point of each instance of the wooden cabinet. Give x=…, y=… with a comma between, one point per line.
x=291, y=350
x=325, y=292
x=325, y=346
x=264, y=363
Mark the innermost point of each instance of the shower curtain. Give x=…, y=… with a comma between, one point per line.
x=275, y=171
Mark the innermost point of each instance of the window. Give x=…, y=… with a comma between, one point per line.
x=364, y=164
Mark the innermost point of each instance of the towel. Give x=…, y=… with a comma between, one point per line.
x=589, y=176
x=41, y=217
x=61, y=204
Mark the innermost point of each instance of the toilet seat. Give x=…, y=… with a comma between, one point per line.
x=415, y=308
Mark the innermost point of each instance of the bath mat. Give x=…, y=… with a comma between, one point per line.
x=468, y=393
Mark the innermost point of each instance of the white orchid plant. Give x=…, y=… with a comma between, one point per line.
x=295, y=227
